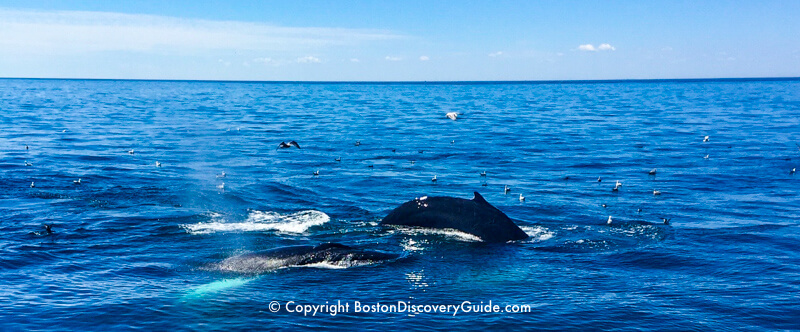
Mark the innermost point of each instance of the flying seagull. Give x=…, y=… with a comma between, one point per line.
x=285, y=145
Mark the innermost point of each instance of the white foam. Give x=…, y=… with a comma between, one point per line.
x=537, y=233
x=410, y=244
x=338, y=265
x=259, y=221
x=261, y=264
x=447, y=232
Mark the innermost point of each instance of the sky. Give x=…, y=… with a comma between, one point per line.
x=379, y=40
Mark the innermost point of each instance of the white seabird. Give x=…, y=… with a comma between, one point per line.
x=521, y=198
x=452, y=115
x=656, y=192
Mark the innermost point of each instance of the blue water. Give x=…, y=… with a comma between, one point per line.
x=133, y=244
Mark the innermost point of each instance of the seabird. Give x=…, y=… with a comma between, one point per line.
x=793, y=170
x=371, y=166
x=78, y=181
x=484, y=184
x=32, y=185
x=48, y=228
x=604, y=205
x=652, y=172
x=483, y=173
x=285, y=145
x=316, y=172
x=222, y=175
x=222, y=186
x=609, y=220
x=453, y=142
x=452, y=115
x=338, y=159
x=421, y=151
x=358, y=143
x=394, y=150
x=616, y=186
x=506, y=189
x=656, y=192
x=599, y=179
x=706, y=157
x=639, y=210
x=521, y=198
x=158, y=164
x=434, y=179
x=130, y=151
x=666, y=221
x=26, y=146
x=28, y=164
x=705, y=139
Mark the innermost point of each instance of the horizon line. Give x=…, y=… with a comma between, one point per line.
x=567, y=81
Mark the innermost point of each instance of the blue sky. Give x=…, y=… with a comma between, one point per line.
x=399, y=40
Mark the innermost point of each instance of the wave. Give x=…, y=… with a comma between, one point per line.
x=259, y=221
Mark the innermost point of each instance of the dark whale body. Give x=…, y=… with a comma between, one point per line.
x=474, y=216
x=331, y=254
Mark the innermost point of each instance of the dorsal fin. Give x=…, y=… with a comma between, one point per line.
x=331, y=245
x=479, y=199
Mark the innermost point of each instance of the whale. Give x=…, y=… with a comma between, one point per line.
x=473, y=216
x=330, y=255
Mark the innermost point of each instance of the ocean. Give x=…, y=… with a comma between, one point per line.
x=136, y=246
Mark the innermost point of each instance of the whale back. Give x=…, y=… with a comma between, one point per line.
x=474, y=216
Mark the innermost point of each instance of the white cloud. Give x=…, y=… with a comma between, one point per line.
x=308, y=59
x=591, y=48
x=355, y=60
x=424, y=58
x=606, y=47
x=224, y=63
x=496, y=54
x=393, y=58
x=76, y=32
x=263, y=60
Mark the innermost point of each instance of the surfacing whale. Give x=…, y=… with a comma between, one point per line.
x=331, y=255
x=474, y=216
